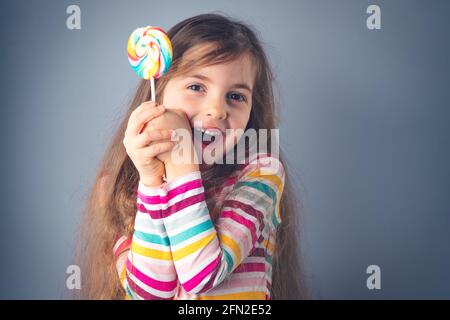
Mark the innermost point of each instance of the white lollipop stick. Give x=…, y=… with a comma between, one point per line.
x=152, y=88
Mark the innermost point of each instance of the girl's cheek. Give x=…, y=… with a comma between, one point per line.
x=189, y=106
x=240, y=120
x=179, y=102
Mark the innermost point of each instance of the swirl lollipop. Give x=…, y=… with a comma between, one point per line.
x=150, y=54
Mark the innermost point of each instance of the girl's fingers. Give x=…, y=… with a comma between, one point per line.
x=142, y=107
x=147, y=136
x=156, y=148
x=139, y=119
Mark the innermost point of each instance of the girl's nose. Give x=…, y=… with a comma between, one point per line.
x=217, y=110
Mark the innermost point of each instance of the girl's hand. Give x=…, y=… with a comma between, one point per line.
x=143, y=143
x=172, y=119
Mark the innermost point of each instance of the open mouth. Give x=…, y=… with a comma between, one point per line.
x=206, y=136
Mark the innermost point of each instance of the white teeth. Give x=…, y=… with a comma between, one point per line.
x=211, y=132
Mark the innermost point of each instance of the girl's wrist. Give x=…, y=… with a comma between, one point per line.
x=151, y=182
x=174, y=171
x=185, y=164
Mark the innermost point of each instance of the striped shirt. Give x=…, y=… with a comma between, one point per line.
x=178, y=252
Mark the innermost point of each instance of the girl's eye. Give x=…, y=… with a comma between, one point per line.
x=236, y=96
x=195, y=87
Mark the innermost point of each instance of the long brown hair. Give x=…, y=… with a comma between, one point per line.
x=110, y=207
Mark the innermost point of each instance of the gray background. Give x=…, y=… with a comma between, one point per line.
x=364, y=122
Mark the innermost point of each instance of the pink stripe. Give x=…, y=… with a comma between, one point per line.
x=250, y=267
x=155, y=214
x=180, y=205
x=240, y=236
x=164, y=267
x=195, y=280
x=230, y=181
x=240, y=219
x=191, y=185
x=248, y=209
x=157, y=284
x=157, y=199
x=141, y=292
x=118, y=242
x=149, y=199
x=122, y=247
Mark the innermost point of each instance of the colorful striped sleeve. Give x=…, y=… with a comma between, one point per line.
x=147, y=272
x=120, y=250
x=204, y=254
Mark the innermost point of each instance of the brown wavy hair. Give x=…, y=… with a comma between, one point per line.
x=111, y=204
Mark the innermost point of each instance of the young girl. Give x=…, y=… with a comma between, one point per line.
x=157, y=229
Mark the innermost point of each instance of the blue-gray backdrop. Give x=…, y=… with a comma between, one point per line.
x=364, y=123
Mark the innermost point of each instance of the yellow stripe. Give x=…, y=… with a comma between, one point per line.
x=151, y=253
x=181, y=253
x=269, y=245
x=257, y=295
x=123, y=274
x=276, y=180
x=232, y=245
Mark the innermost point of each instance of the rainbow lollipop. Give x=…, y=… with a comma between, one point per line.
x=150, y=54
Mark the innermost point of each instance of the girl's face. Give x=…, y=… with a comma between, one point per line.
x=215, y=98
